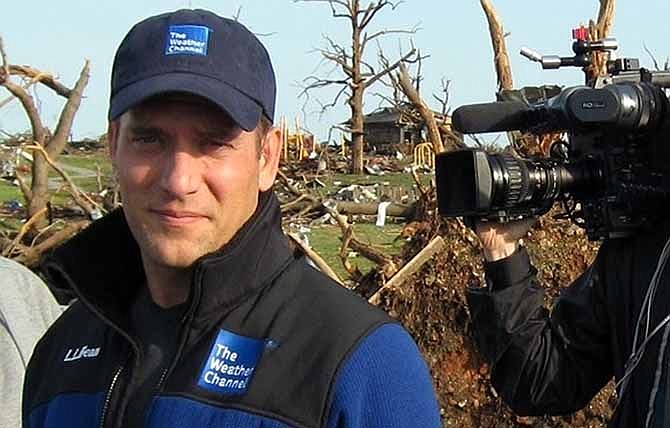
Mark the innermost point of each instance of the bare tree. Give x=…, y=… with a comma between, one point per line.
x=45, y=145
x=359, y=75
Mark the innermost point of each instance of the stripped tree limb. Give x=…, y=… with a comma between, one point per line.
x=410, y=268
x=8, y=251
x=35, y=76
x=316, y=258
x=11, y=98
x=425, y=111
x=57, y=142
x=3, y=58
x=500, y=55
x=600, y=30
x=406, y=88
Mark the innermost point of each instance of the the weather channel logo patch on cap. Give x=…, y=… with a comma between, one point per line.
x=187, y=40
x=231, y=363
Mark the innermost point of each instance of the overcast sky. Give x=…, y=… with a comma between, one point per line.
x=57, y=36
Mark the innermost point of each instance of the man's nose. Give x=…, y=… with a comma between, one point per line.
x=180, y=174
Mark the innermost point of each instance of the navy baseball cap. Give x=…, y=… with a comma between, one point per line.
x=195, y=52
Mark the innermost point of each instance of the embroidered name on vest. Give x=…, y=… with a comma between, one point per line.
x=74, y=354
x=231, y=363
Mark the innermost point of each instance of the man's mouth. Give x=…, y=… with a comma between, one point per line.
x=177, y=217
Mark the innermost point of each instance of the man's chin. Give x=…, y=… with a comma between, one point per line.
x=181, y=256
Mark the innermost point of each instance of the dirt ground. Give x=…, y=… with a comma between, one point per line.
x=433, y=308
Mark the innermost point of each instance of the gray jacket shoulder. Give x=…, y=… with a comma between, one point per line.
x=27, y=307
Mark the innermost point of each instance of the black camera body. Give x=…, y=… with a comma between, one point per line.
x=612, y=175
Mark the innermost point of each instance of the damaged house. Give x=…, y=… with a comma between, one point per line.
x=391, y=129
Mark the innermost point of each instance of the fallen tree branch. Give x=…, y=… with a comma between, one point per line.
x=353, y=271
x=31, y=255
x=22, y=232
x=386, y=264
x=410, y=268
x=47, y=79
x=316, y=258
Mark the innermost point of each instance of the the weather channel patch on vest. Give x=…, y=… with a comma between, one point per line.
x=187, y=40
x=231, y=363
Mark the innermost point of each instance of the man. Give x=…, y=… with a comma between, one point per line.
x=600, y=327
x=192, y=309
x=27, y=309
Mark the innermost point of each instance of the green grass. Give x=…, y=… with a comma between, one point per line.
x=88, y=161
x=9, y=192
x=325, y=240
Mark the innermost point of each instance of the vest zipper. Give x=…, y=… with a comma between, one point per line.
x=186, y=325
x=108, y=397
x=160, y=381
x=171, y=365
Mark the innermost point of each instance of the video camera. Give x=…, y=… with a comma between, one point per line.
x=612, y=174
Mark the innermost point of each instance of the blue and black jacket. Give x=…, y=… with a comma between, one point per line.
x=267, y=341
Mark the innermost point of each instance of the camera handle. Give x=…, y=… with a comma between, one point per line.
x=582, y=47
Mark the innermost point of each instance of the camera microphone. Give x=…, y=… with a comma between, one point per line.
x=491, y=117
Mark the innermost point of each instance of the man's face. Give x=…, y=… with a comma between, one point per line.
x=189, y=176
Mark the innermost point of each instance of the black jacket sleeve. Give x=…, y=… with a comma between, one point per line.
x=541, y=363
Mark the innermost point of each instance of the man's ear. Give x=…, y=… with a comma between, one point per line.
x=269, y=159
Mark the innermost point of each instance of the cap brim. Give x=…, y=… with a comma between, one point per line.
x=243, y=110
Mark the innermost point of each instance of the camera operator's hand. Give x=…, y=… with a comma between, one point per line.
x=501, y=240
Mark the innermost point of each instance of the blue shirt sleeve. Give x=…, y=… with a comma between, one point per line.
x=385, y=383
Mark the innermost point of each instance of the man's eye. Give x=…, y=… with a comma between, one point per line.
x=218, y=142
x=146, y=139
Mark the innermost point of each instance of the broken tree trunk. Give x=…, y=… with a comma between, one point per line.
x=601, y=30
x=371, y=208
x=425, y=111
x=411, y=267
x=500, y=55
x=354, y=208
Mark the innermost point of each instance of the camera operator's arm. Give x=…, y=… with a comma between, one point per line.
x=541, y=364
